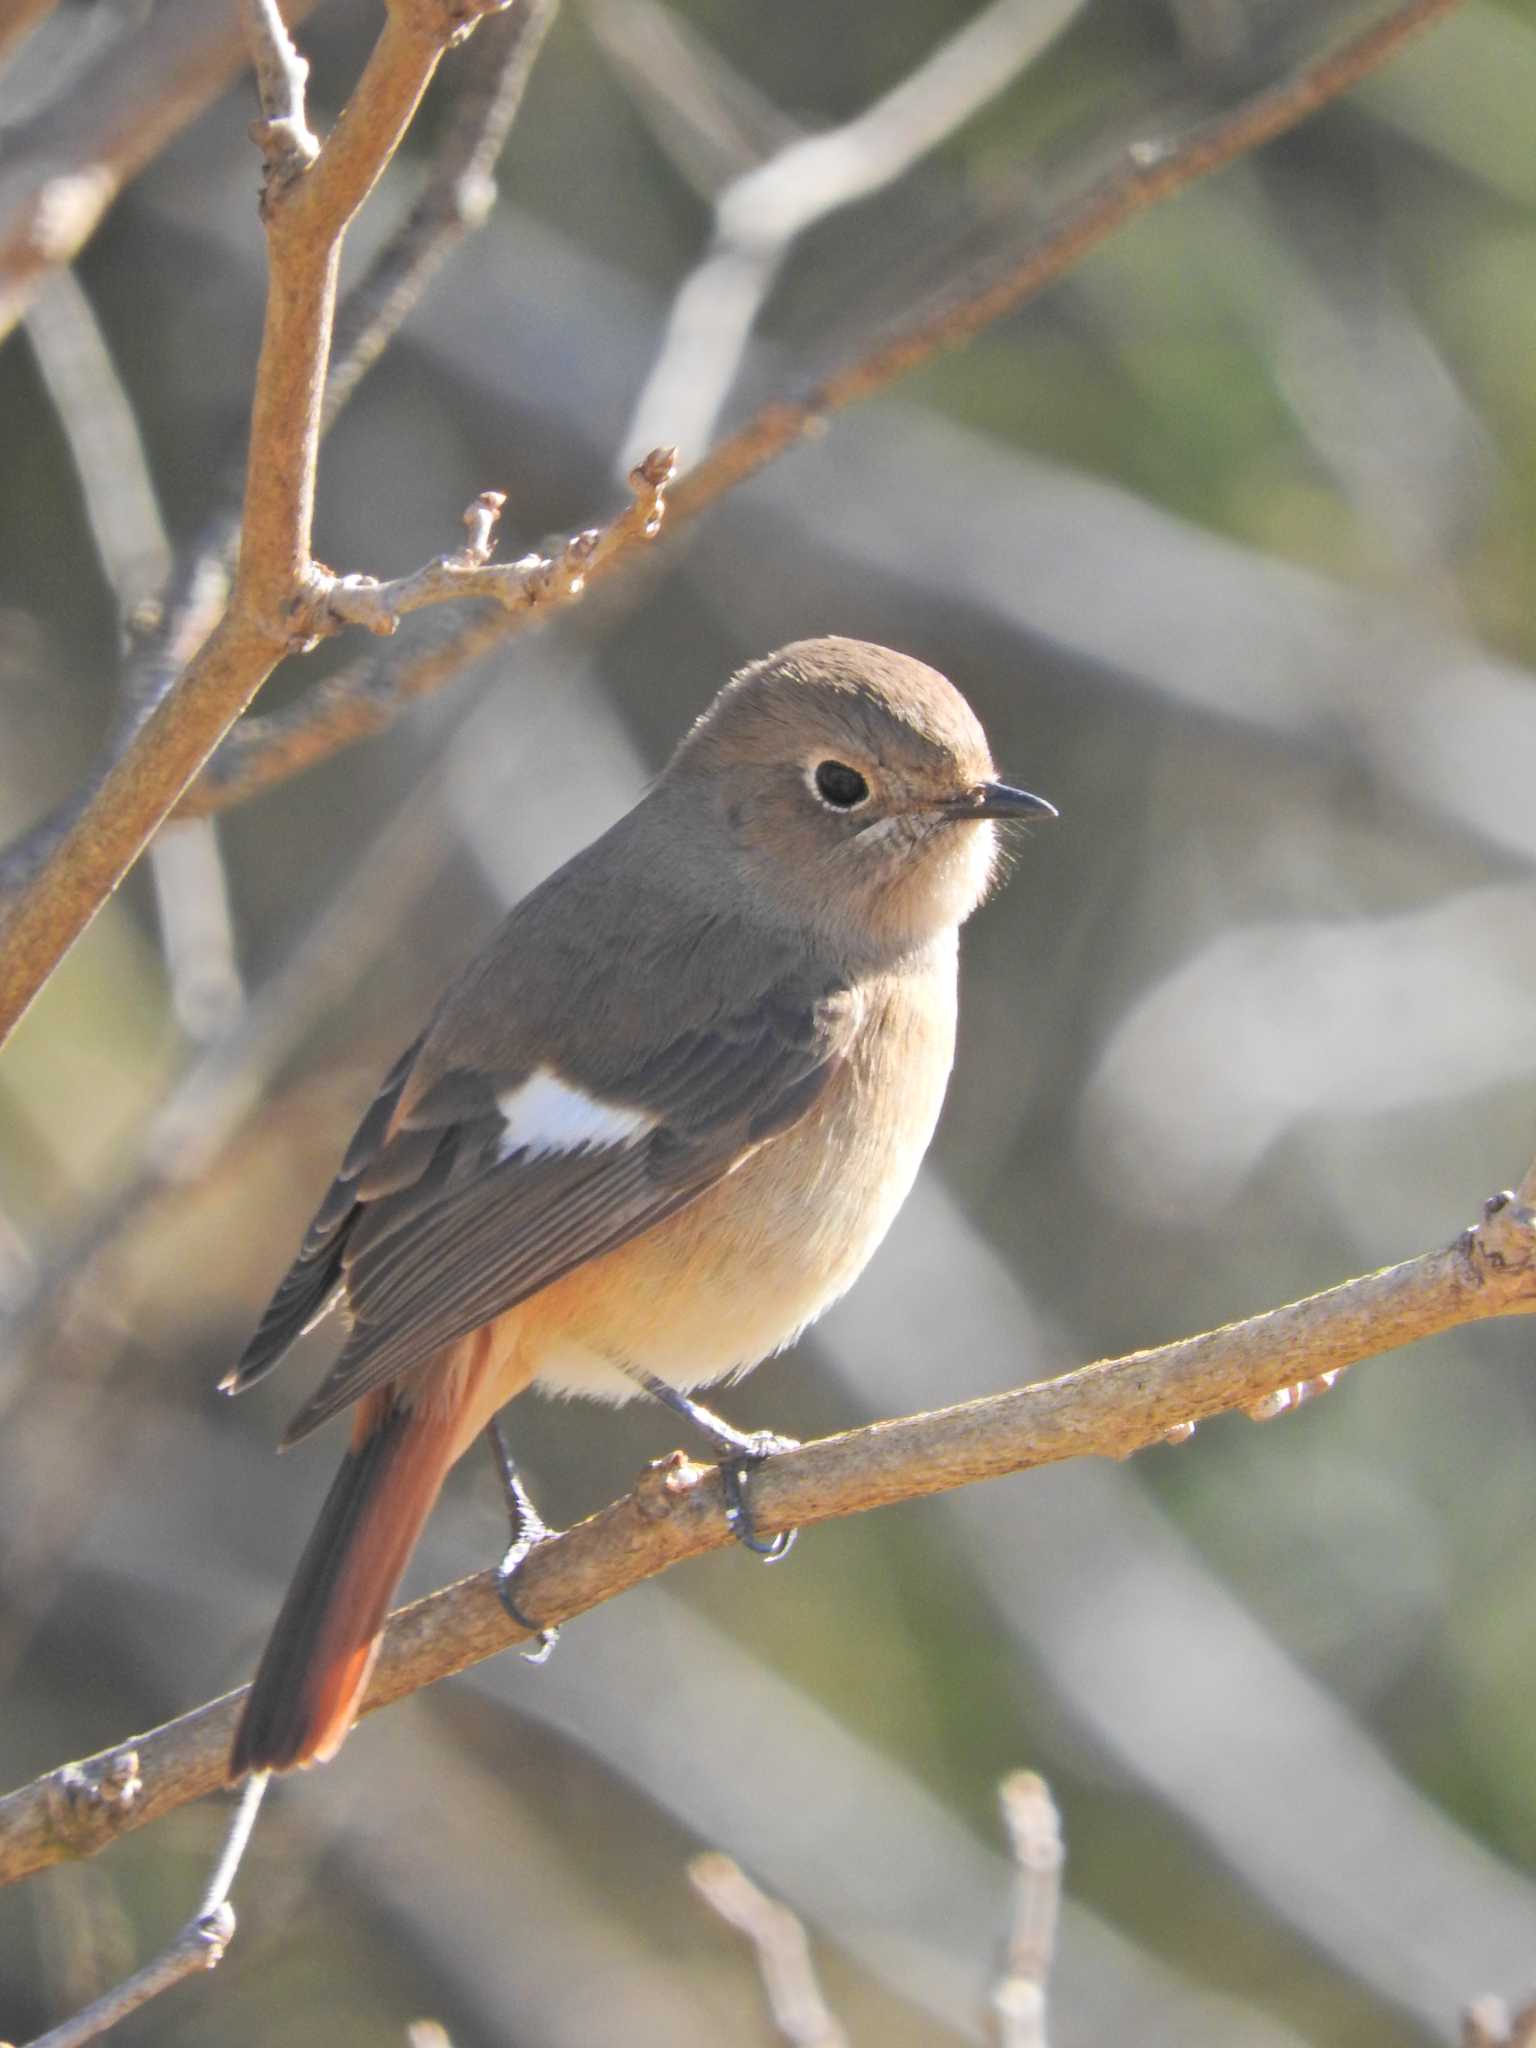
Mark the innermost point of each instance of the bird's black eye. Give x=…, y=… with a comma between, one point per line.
x=842, y=787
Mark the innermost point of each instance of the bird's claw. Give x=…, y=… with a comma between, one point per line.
x=734, y=1472
x=545, y=1639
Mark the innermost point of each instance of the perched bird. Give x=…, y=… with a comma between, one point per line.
x=652, y=1131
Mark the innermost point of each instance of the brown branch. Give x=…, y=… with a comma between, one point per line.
x=361, y=701
x=278, y=587
x=516, y=586
x=1109, y=1409
x=1151, y=173
x=457, y=195
x=64, y=165
x=370, y=700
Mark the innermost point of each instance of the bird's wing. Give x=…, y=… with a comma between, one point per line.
x=491, y=1186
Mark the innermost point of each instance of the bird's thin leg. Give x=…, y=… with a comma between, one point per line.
x=739, y=1451
x=528, y=1530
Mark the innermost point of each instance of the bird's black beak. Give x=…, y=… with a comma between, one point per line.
x=999, y=800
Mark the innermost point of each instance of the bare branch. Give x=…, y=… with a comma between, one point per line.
x=1109, y=1409
x=457, y=197
x=762, y=213
x=1151, y=172
x=1034, y=1831
x=264, y=752
x=64, y=166
x=97, y=419
x=307, y=216
x=778, y=1941
x=454, y=200
x=364, y=700
x=516, y=586
x=199, y=1945
x=283, y=133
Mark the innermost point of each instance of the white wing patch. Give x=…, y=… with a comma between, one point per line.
x=547, y=1114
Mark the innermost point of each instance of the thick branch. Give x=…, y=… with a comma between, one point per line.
x=334, y=719
x=1109, y=1409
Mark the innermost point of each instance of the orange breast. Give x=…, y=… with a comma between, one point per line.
x=742, y=1270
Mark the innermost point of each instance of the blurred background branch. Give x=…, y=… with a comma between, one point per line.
x=778, y=1942
x=1034, y=1835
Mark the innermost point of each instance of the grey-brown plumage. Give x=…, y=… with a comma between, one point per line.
x=660, y=1123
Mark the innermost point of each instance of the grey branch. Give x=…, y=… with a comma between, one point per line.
x=779, y=1943
x=1034, y=1832
x=287, y=142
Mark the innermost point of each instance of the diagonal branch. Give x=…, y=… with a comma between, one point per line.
x=457, y=196
x=1109, y=1409
x=307, y=207
x=373, y=697
x=65, y=164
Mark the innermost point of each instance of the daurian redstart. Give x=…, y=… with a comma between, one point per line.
x=654, y=1129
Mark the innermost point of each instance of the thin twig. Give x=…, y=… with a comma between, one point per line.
x=1034, y=1833
x=457, y=197
x=454, y=200
x=222, y=1088
x=123, y=513
x=375, y=695
x=1150, y=173
x=760, y=215
x=278, y=585
x=199, y=1945
x=68, y=161
x=363, y=699
x=780, y=1946
x=518, y=587
x=287, y=142
x=1109, y=1409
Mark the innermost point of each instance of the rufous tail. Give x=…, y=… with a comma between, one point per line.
x=316, y=1667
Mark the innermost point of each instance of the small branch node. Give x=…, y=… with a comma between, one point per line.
x=665, y=1483
x=87, y=1803
x=283, y=135
x=480, y=523
x=1505, y=1241
x=215, y=1930
x=1283, y=1399
x=648, y=480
